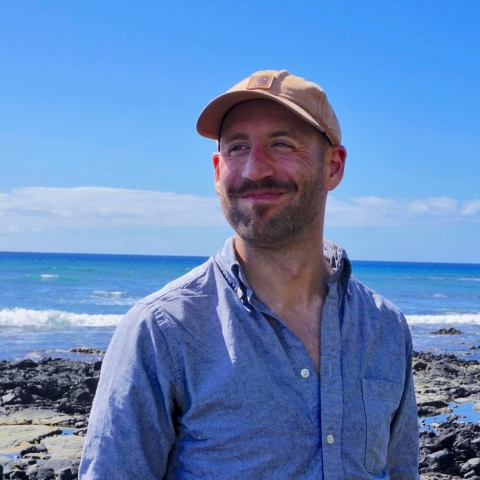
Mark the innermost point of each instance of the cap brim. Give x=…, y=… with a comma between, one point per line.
x=210, y=120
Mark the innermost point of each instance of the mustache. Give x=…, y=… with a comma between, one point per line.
x=250, y=186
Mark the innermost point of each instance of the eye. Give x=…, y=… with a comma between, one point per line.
x=283, y=145
x=237, y=149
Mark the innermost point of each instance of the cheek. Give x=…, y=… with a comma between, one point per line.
x=227, y=173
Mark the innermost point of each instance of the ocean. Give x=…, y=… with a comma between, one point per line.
x=51, y=302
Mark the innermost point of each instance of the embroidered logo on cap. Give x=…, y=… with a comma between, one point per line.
x=260, y=81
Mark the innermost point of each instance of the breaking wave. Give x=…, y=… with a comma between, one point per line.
x=22, y=317
x=102, y=293
x=448, y=319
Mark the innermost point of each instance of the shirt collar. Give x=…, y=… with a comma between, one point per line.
x=227, y=262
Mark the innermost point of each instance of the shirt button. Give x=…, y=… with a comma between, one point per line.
x=330, y=439
x=305, y=373
x=239, y=292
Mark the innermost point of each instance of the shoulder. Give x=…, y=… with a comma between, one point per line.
x=191, y=293
x=150, y=327
x=374, y=309
x=195, y=281
x=371, y=297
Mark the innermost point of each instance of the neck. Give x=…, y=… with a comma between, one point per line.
x=288, y=276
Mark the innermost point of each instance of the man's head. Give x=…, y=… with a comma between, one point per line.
x=274, y=166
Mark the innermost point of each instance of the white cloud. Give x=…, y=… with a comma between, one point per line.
x=375, y=211
x=41, y=208
x=471, y=207
x=38, y=208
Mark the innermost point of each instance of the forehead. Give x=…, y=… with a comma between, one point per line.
x=263, y=114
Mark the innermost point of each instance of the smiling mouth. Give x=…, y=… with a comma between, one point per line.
x=266, y=189
x=262, y=195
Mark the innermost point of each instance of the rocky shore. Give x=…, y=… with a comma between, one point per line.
x=443, y=384
x=44, y=408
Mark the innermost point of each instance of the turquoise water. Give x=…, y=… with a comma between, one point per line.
x=52, y=302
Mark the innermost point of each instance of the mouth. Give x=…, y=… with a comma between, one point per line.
x=262, y=195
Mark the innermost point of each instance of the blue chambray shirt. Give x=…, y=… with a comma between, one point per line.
x=203, y=381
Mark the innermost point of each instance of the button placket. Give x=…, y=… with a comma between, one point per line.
x=331, y=385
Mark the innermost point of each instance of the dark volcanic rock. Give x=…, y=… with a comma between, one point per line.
x=68, y=473
x=44, y=473
x=443, y=461
x=87, y=350
x=447, y=331
x=450, y=449
x=62, y=385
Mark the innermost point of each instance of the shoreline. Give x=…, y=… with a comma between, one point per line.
x=44, y=409
x=45, y=405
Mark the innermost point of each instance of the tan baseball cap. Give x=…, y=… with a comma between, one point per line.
x=306, y=99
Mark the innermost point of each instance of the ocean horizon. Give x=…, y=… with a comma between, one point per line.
x=51, y=302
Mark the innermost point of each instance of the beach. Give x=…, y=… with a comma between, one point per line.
x=52, y=304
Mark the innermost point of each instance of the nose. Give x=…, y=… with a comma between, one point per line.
x=259, y=165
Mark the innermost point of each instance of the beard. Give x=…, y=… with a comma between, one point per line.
x=258, y=227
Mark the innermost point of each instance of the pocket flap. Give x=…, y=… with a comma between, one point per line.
x=382, y=389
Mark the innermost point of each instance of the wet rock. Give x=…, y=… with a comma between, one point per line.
x=447, y=331
x=419, y=365
x=40, y=448
x=43, y=384
x=19, y=474
x=87, y=350
x=441, y=442
x=447, y=379
x=80, y=431
x=44, y=473
x=17, y=395
x=37, y=402
x=471, y=465
x=433, y=403
x=438, y=476
x=24, y=364
x=67, y=474
x=441, y=460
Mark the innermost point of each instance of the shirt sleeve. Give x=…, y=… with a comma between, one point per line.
x=403, y=449
x=131, y=428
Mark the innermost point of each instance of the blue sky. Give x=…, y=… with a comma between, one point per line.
x=99, y=100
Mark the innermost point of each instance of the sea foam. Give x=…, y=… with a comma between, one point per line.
x=448, y=318
x=22, y=317
x=102, y=293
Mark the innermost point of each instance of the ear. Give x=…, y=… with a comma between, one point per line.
x=335, y=158
x=216, y=168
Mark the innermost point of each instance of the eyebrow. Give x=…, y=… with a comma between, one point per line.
x=235, y=136
x=277, y=133
x=283, y=133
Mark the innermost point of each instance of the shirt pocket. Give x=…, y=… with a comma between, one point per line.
x=380, y=400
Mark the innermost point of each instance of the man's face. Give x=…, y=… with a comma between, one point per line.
x=269, y=173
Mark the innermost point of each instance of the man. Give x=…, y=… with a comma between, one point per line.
x=269, y=361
